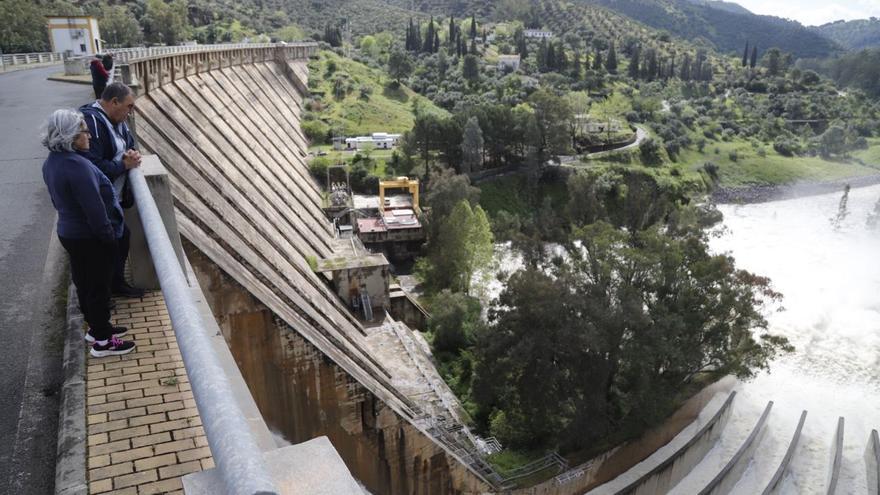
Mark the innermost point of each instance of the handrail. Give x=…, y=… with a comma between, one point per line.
x=29, y=58
x=233, y=447
x=132, y=54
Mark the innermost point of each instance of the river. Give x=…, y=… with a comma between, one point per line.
x=830, y=279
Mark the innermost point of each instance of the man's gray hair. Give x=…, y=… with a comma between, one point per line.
x=61, y=129
x=115, y=90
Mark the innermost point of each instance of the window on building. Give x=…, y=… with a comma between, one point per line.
x=82, y=47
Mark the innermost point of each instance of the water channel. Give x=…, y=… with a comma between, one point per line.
x=830, y=279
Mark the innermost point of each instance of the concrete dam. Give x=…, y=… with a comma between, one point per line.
x=225, y=125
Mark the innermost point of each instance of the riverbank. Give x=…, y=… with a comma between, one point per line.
x=765, y=193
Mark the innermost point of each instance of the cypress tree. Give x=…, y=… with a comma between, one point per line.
x=473, y=27
x=746, y=55
x=473, y=50
x=754, y=61
x=451, y=38
x=611, y=61
x=634, y=61
x=561, y=59
x=436, y=41
x=597, y=60
x=410, y=31
x=686, y=68
x=550, y=57
x=428, y=45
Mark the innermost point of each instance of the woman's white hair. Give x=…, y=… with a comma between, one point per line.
x=61, y=129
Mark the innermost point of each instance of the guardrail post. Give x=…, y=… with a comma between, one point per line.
x=143, y=272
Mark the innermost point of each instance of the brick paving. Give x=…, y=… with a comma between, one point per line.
x=144, y=432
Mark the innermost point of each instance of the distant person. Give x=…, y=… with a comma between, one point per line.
x=100, y=75
x=112, y=149
x=88, y=218
x=107, y=62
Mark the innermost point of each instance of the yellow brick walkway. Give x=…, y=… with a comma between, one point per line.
x=144, y=432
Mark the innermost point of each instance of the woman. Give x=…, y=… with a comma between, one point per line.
x=88, y=211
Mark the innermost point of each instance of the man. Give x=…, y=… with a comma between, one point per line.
x=112, y=150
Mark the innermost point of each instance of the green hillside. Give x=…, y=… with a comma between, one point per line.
x=854, y=35
x=367, y=101
x=726, y=30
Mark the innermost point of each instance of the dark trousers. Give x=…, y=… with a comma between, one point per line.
x=99, y=89
x=91, y=266
x=122, y=245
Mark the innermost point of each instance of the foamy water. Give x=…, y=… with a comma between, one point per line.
x=830, y=279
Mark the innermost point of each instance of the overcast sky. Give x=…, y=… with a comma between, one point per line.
x=814, y=12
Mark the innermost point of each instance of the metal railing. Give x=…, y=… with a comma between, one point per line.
x=233, y=447
x=15, y=59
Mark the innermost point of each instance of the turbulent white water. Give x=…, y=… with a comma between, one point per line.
x=830, y=279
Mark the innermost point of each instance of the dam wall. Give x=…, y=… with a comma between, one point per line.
x=226, y=125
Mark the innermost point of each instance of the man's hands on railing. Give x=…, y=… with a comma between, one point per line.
x=131, y=159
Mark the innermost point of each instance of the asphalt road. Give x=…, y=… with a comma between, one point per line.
x=31, y=319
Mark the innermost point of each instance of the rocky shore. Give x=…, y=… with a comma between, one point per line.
x=764, y=193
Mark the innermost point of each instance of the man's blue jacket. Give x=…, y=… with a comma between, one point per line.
x=102, y=145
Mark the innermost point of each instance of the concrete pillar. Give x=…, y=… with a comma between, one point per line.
x=140, y=262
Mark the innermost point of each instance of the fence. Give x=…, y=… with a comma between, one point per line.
x=130, y=54
x=233, y=447
x=15, y=59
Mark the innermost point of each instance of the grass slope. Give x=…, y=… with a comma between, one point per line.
x=385, y=110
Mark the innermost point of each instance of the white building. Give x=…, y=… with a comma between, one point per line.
x=78, y=33
x=508, y=63
x=376, y=140
x=537, y=33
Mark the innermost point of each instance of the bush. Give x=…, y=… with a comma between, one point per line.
x=733, y=155
x=454, y=318
x=785, y=146
x=711, y=169
x=364, y=91
x=316, y=131
x=650, y=152
x=318, y=167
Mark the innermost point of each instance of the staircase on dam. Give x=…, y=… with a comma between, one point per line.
x=729, y=450
x=225, y=125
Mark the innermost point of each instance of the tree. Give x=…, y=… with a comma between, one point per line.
x=470, y=69
x=597, y=60
x=473, y=32
x=165, y=23
x=754, y=58
x=450, y=38
x=119, y=27
x=472, y=146
x=772, y=61
x=604, y=340
x=745, y=59
x=634, y=61
x=23, y=28
x=464, y=244
x=552, y=114
x=445, y=190
x=399, y=65
x=455, y=316
x=611, y=60
x=428, y=44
